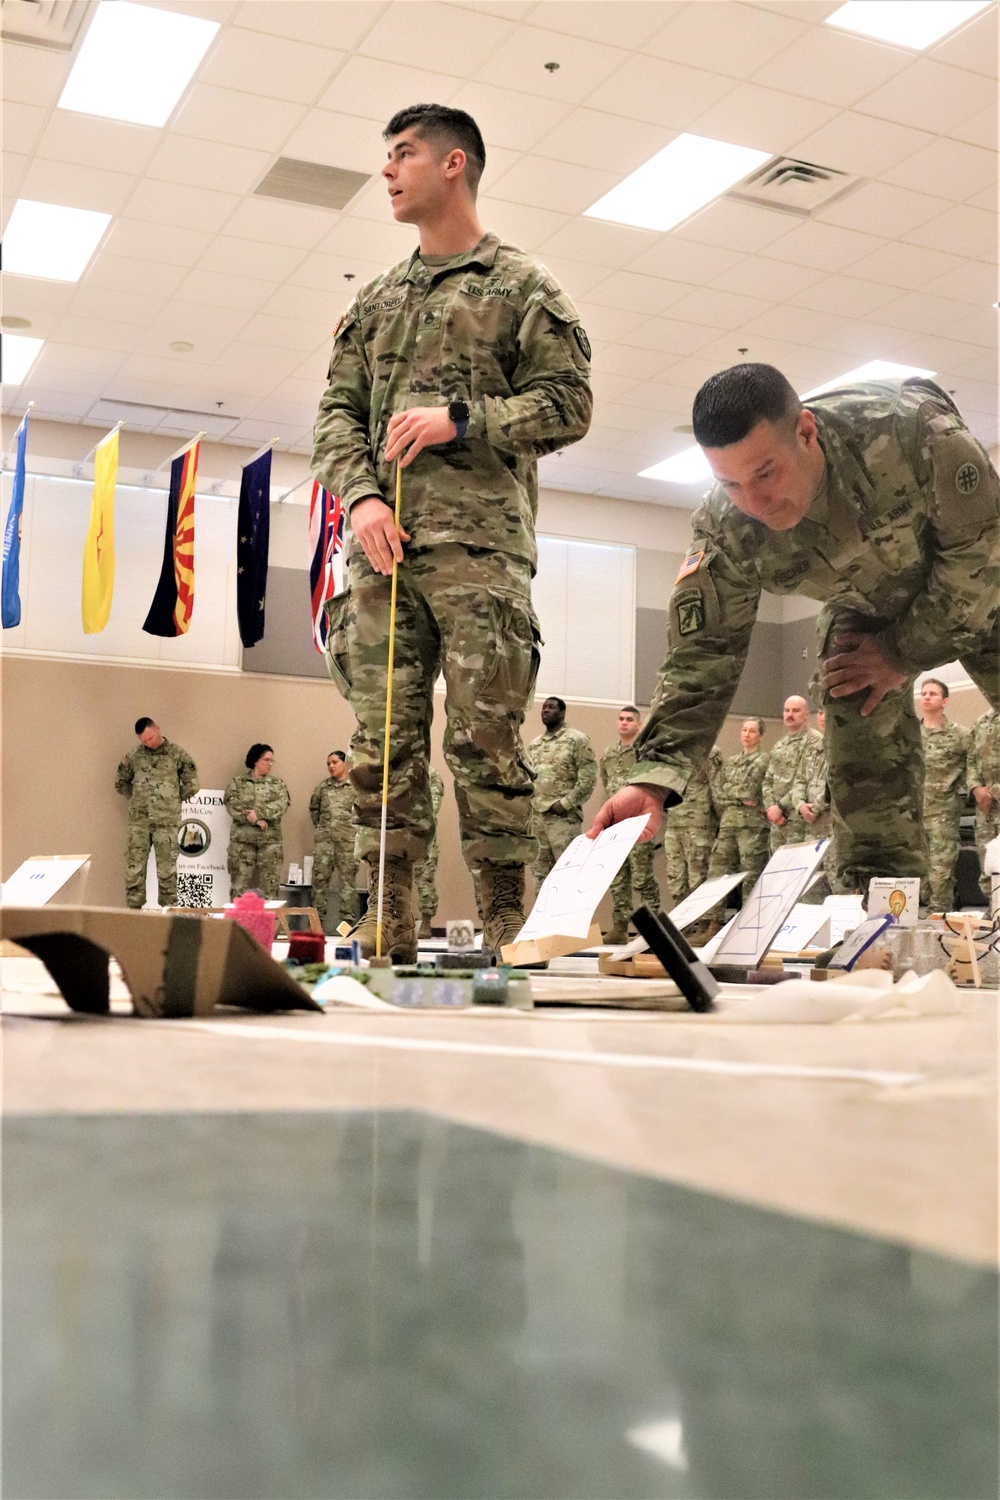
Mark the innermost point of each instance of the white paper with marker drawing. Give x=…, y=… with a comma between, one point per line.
x=785, y=876
x=688, y=911
x=565, y=905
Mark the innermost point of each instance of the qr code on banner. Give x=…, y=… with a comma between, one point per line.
x=194, y=890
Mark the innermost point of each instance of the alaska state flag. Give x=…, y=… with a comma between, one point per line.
x=173, y=602
x=326, y=545
x=252, y=532
x=10, y=588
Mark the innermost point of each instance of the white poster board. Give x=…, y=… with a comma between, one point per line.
x=38, y=879
x=569, y=895
x=202, y=848
x=783, y=880
x=805, y=927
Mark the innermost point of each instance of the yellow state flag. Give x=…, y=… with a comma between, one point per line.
x=99, y=548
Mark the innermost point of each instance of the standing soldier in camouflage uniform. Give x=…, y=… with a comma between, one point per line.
x=566, y=773
x=810, y=797
x=635, y=884
x=784, y=769
x=331, y=809
x=878, y=501
x=946, y=749
x=691, y=830
x=256, y=802
x=465, y=363
x=426, y=870
x=742, y=843
x=983, y=774
x=156, y=777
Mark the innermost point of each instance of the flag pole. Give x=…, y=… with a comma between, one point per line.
x=295, y=487
x=17, y=434
x=180, y=452
x=217, y=484
x=78, y=467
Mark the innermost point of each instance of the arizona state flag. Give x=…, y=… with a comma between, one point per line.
x=252, y=534
x=170, y=611
x=99, y=548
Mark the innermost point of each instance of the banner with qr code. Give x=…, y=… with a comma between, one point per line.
x=202, y=847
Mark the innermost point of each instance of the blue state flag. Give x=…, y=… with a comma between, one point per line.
x=10, y=588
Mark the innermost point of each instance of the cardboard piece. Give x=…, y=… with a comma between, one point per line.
x=38, y=880
x=174, y=966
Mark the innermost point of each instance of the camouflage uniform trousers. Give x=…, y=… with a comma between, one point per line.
x=424, y=877
x=554, y=833
x=335, y=863
x=987, y=828
x=163, y=837
x=742, y=844
x=255, y=866
x=635, y=885
x=464, y=612
x=941, y=825
x=686, y=854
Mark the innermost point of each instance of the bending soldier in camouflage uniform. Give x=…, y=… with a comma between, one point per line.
x=784, y=769
x=691, y=830
x=635, y=884
x=946, y=749
x=156, y=777
x=331, y=810
x=876, y=500
x=742, y=843
x=256, y=802
x=983, y=774
x=465, y=364
x=426, y=870
x=565, y=775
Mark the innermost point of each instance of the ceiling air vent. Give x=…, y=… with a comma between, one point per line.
x=794, y=187
x=311, y=182
x=43, y=23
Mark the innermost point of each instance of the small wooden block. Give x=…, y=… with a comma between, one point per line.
x=540, y=950
x=641, y=966
x=283, y=928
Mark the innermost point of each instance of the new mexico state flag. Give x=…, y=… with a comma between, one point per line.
x=99, y=548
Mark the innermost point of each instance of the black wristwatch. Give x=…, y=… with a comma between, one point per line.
x=458, y=412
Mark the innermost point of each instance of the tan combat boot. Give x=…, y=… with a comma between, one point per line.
x=399, y=935
x=502, y=889
x=617, y=935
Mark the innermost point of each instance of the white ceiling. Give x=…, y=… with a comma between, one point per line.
x=903, y=269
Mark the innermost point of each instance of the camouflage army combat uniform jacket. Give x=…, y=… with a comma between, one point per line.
x=945, y=754
x=784, y=780
x=565, y=770
x=699, y=806
x=738, y=793
x=268, y=795
x=984, y=753
x=616, y=766
x=156, y=782
x=491, y=328
x=903, y=535
x=331, y=811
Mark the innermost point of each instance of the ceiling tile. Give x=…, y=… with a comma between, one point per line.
x=804, y=10
x=906, y=266
x=386, y=243
x=844, y=295
x=91, y=329
x=681, y=260
x=341, y=26
x=185, y=373
x=520, y=64
x=608, y=324
x=972, y=46
x=193, y=321
x=508, y=118
x=646, y=294
x=664, y=93
x=220, y=290
x=328, y=273
x=377, y=89
x=609, y=387
x=152, y=278
x=64, y=406
x=338, y=140
x=979, y=367
x=207, y=347
x=564, y=186
x=753, y=276
x=625, y=359
x=173, y=204
x=623, y=24
x=858, y=342
x=975, y=325
x=826, y=246
x=920, y=313
x=41, y=302
x=949, y=169
x=209, y=164
x=670, y=336
x=856, y=143
x=731, y=39
x=973, y=281
x=597, y=243
x=717, y=309
x=15, y=169
x=270, y=65
x=765, y=119
x=793, y=324
x=930, y=96
x=91, y=142
x=319, y=307
x=943, y=355
x=574, y=276
x=963, y=230
x=32, y=75
x=76, y=187
x=276, y=223
x=499, y=161
x=162, y=242
x=213, y=114
x=881, y=208
x=832, y=65
x=22, y=125
x=979, y=129
x=518, y=224
x=736, y=226
x=238, y=257
x=417, y=35
x=986, y=199
x=286, y=333
x=590, y=138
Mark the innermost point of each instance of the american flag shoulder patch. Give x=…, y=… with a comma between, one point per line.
x=691, y=564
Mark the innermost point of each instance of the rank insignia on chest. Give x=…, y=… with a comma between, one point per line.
x=690, y=612
x=690, y=565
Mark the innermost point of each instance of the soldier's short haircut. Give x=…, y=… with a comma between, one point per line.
x=551, y=698
x=937, y=683
x=141, y=725
x=630, y=708
x=732, y=402
x=446, y=128
x=759, y=723
x=254, y=754
x=339, y=754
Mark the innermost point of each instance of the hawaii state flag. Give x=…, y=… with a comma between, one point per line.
x=10, y=587
x=326, y=545
x=99, y=548
x=170, y=611
x=252, y=536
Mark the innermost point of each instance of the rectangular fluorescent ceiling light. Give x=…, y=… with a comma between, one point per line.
x=51, y=242
x=690, y=466
x=18, y=354
x=905, y=23
x=676, y=182
x=136, y=62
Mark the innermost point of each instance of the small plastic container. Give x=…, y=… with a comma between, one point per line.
x=250, y=912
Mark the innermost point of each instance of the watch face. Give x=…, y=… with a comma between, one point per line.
x=458, y=411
